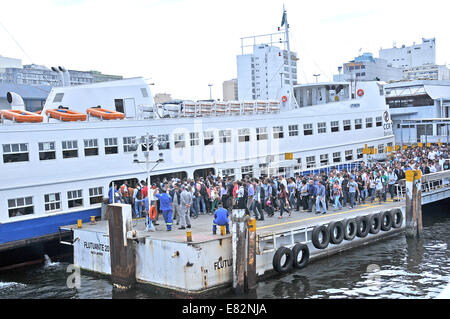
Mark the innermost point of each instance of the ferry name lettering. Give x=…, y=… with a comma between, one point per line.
x=96, y=246
x=223, y=263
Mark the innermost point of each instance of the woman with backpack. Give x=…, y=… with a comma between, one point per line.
x=283, y=197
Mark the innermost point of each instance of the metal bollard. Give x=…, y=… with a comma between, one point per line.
x=79, y=223
x=189, y=235
x=222, y=230
x=93, y=220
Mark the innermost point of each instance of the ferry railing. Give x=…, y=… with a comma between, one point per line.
x=429, y=182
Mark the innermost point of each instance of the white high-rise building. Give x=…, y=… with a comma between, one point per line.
x=230, y=90
x=265, y=74
x=412, y=56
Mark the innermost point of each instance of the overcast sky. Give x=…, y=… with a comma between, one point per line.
x=182, y=45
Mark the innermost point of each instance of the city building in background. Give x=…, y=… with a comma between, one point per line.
x=33, y=96
x=230, y=90
x=411, y=56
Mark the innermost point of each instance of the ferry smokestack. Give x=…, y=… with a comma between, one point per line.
x=60, y=74
x=66, y=76
x=16, y=101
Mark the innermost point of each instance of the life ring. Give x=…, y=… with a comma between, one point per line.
x=386, y=221
x=152, y=213
x=284, y=98
x=360, y=92
x=320, y=244
x=397, y=218
x=350, y=227
x=276, y=262
x=304, y=250
x=375, y=223
x=336, y=230
x=362, y=226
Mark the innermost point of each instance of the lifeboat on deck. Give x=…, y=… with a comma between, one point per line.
x=21, y=116
x=105, y=114
x=64, y=114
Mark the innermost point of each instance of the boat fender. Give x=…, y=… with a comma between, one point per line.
x=375, y=223
x=287, y=265
x=320, y=244
x=386, y=221
x=299, y=264
x=336, y=230
x=362, y=226
x=397, y=218
x=350, y=227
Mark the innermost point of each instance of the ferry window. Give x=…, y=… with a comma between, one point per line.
x=347, y=125
x=208, y=138
x=129, y=144
x=58, y=98
x=195, y=139
x=144, y=92
x=337, y=157
x=358, y=124
x=334, y=126
x=369, y=122
x=247, y=170
x=293, y=130
x=90, y=147
x=323, y=159
x=244, y=135
x=75, y=198
x=278, y=132
x=229, y=172
x=20, y=206
x=310, y=161
x=379, y=120
x=70, y=149
x=15, y=153
x=263, y=169
x=224, y=136
x=52, y=202
x=95, y=195
x=307, y=129
x=359, y=153
x=322, y=127
x=349, y=155
x=179, y=140
x=111, y=145
x=380, y=148
x=261, y=133
x=119, y=105
x=163, y=142
x=47, y=151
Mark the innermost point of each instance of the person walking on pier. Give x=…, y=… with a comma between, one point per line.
x=320, y=199
x=220, y=219
x=175, y=194
x=284, y=200
x=392, y=179
x=165, y=202
x=185, y=205
x=353, y=191
x=312, y=191
x=337, y=193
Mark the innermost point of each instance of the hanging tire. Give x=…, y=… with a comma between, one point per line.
x=277, y=258
x=350, y=227
x=304, y=251
x=362, y=226
x=386, y=221
x=317, y=231
x=397, y=218
x=336, y=230
x=375, y=223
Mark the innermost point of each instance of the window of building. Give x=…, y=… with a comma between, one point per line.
x=359, y=153
x=307, y=129
x=15, y=153
x=47, y=151
x=358, y=124
x=336, y=157
x=379, y=120
x=225, y=136
x=380, y=148
x=347, y=125
x=129, y=144
x=95, y=195
x=111, y=146
x=334, y=126
x=247, y=170
x=263, y=169
x=293, y=130
x=299, y=164
x=278, y=132
x=324, y=160
x=208, y=138
x=244, y=135
x=261, y=133
x=20, y=206
x=369, y=122
x=179, y=140
x=70, y=149
x=194, y=138
x=228, y=172
x=310, y=161
x=322, y=127
x=90, y=147
x=52, y=202
x=163, y=142
x=75, y=198
x=349, y=155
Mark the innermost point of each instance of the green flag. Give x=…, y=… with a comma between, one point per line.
x=283, y=20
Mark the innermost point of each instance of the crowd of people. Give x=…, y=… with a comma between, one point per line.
x=181, y=201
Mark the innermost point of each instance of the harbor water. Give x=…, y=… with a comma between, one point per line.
x=392, y=268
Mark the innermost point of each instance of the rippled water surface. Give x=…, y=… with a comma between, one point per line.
x=393, y=268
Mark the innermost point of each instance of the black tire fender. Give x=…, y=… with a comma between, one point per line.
x=350, y=227
x=397, y=218
x=363, y=226
x=339, y=227
x=322, y=229
x=276, y=262
x=296, y=250
x=386, y=221
x=375, y=223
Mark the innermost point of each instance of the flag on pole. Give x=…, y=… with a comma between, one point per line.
x=283, y=20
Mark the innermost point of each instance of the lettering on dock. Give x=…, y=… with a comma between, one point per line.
x=96, y=246
x=223, y=263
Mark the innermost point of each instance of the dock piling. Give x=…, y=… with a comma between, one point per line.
x=413, y=210
x=238, y=247
x=251, y=255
